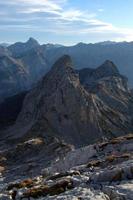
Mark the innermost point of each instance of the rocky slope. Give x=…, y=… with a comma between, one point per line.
x=103, y=171
x=76, y=108
x=14, y=77
x=21, y=66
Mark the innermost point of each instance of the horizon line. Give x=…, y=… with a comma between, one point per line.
x=74, y=44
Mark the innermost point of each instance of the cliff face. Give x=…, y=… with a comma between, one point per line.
x=78, y=107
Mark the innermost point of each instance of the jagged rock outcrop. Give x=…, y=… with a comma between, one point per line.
x=57, y=99
x=107, y=74
x=77, y=111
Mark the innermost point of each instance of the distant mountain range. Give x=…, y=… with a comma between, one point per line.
x=22, y=65
x=4, y=44
x=93, y=55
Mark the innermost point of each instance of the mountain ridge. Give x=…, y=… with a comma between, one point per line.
x=62, y=106
x=37, y=59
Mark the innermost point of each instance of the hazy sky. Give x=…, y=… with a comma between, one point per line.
x=66, y=21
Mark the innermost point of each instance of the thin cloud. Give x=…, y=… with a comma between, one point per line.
x=54, y=17
x=53, y=4
x=100, y=10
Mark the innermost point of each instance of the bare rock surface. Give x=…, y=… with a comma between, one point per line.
x=105, y=173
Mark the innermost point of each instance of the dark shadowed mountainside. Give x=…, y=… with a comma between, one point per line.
x=10, y=108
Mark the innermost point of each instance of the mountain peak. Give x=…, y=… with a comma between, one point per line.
x=81, y=44
x=32, y=41
x=108, y=68
x=63, y=72
x=19, y=48
x=64, y=61
x=109, y=63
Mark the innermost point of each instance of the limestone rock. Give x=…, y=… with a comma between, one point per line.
x=100, y=107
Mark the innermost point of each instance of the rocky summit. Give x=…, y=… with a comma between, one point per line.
x=79, y=107
x=70, y=137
